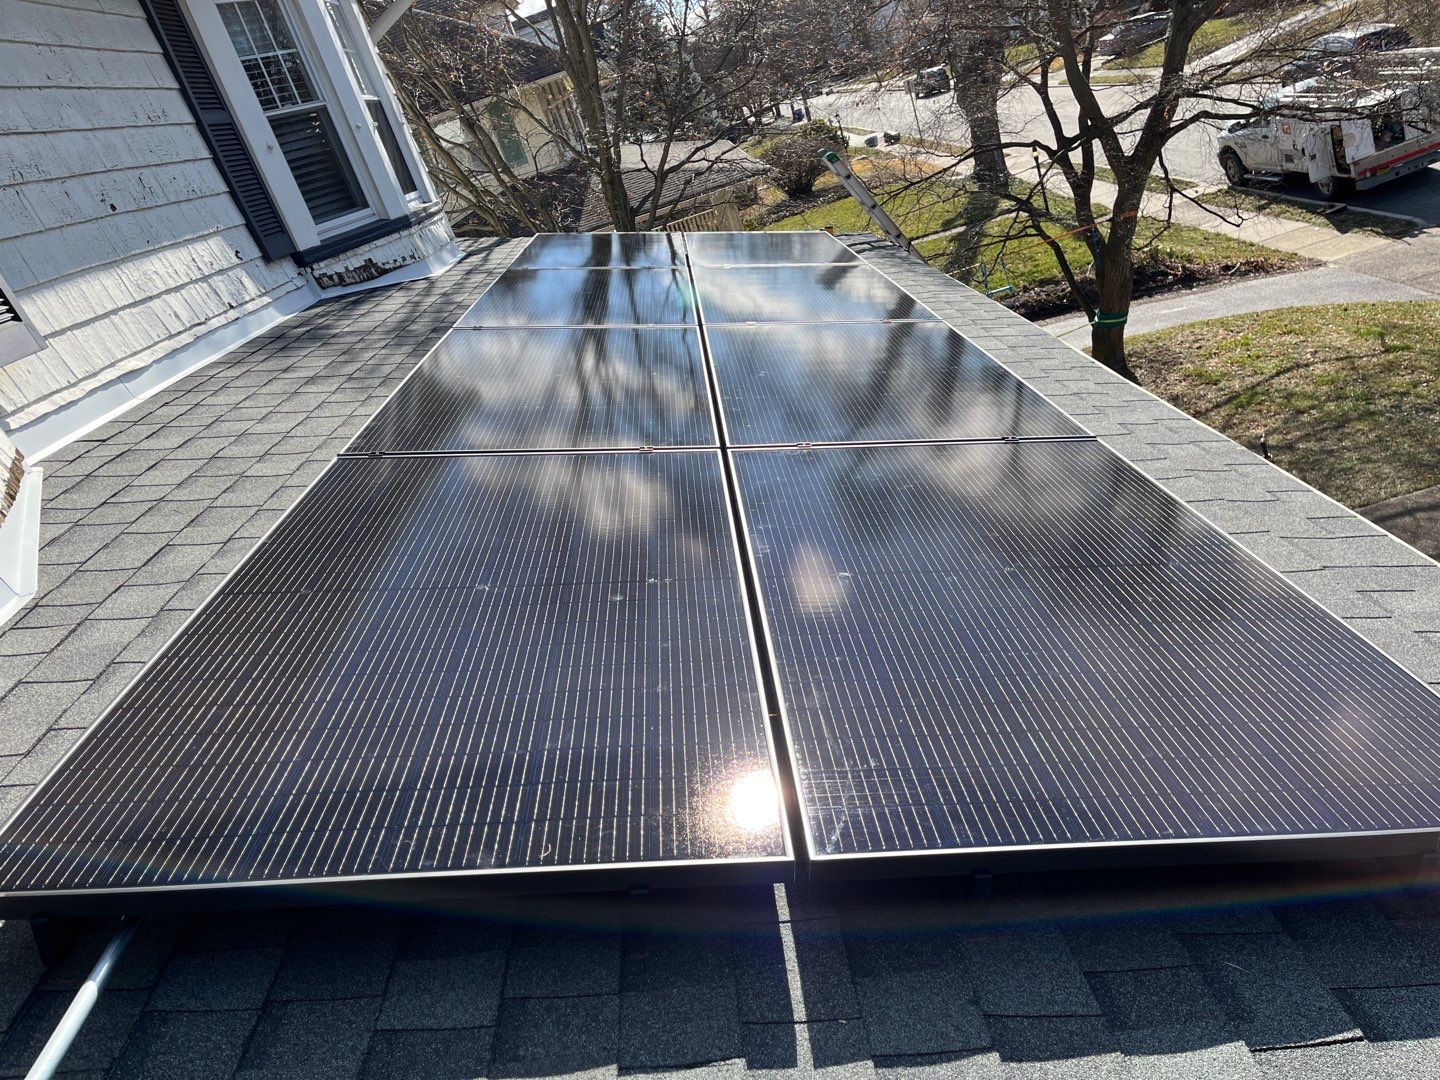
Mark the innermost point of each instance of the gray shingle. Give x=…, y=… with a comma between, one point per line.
x=228, y=979
x=1157, y=997
x=552, y=1036
x=557, y=961
x=1349, y=943
x=99, y=1043
x=1271, y=994
x=462, y=1054
x=318, y=1040
x=836, y=1049
x=1082, y=1045
x=679, y=1028
x=920, y=1012
x=338, y=953
x=183, y=1045
x=794, y=971
x=1027, y=974
x=20, y=969
x=1125, y=946
x=1398, y=1012
x=1195, y=1051
x=448, y=974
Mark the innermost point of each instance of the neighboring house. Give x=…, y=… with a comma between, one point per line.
x=526, y=104
x=175, y=175
x=697, y=176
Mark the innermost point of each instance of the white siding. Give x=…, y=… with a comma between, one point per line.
x=116, y=229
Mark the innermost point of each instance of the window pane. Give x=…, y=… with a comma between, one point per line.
x=386, y=134
x=347, y=44
x=268, y=53
x=502, y=127
x=322, y=175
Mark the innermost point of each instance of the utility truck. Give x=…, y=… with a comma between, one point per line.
x=1343, y=132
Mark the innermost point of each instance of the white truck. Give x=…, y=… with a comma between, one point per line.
x=1342, y=133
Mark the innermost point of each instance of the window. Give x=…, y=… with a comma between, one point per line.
x=18, y=336
x=370, y=94
x=298, y=114
x=502, y=127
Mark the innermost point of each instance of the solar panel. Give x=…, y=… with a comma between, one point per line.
x=549, y=389
x=759, y=248
x=437, y=665
x=602, y=249
x=614, y=297
x=992, y=647
x=870, y=382
x=799, y=294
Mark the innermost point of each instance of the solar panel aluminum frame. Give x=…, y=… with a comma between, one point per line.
x=1084, y=855
x=441, y=886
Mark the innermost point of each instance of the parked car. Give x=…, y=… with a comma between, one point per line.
x=1333, y=52
x=931, y=81
x=1343, y=144
x=1134, y=34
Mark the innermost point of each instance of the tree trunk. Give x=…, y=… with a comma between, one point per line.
x=1114, y=280
x=982, y=114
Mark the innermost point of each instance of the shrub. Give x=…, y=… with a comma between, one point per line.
x=794, y=155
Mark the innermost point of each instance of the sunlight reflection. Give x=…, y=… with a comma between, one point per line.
x=754, y=803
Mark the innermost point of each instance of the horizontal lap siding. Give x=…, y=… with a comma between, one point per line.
x=116, y=229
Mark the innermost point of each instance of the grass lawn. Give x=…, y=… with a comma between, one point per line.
x=919, y=211
x=1231, y=202
x=1348, y=394
x=1012, y=266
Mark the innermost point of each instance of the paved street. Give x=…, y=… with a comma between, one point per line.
x=1192, y=154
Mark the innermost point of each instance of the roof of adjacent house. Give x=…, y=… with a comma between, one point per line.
x=693, y=168
x=1290, y=971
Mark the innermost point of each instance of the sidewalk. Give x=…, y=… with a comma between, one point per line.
x=1327, y=284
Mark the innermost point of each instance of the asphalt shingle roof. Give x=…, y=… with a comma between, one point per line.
x=1330, y=970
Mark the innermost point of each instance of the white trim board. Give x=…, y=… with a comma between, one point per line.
x=20, y=546
x=46, y=434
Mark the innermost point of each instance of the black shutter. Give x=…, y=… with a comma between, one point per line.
x=18, y=336
x=218, y=126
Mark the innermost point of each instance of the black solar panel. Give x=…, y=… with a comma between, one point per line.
x=759, y=248
x=988, y=646
x=584, y=298
x=433, y=665
x=549, y=389
x=602, y=249
x=870, y=382
x=800, y=294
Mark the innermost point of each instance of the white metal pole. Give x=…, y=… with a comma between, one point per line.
x=856, y=187
x=70, y=1024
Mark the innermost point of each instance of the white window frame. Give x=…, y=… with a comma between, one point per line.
x=374, y=71
x=336, y=87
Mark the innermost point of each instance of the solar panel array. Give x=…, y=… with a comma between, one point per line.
x=528, y=621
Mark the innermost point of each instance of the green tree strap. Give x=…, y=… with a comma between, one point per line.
x=1109, y=318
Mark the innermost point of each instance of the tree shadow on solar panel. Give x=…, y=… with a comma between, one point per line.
x=801, y=294
x=634, y=250
x=852, y=382
x=571, y=297
x=560, y=388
